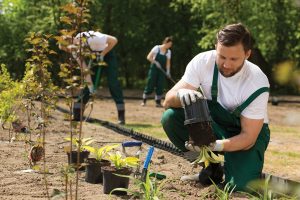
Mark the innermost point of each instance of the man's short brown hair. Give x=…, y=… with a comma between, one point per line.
x=233, y=34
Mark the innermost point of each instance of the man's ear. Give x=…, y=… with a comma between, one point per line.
x=248, y=54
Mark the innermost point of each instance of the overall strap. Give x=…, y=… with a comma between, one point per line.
x=159, y=51
x=214, y=87
x=239, y=109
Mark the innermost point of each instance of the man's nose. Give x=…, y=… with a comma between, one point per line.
x=226, y=64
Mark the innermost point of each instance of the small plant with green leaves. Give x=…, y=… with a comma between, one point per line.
x=264, y=190
x=10, y=99
x=81, y=144
x=148, y=190
x=119, y=161
x=206, y=156
x=226, y=192
x=100, y=153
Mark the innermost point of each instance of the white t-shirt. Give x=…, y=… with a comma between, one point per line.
x=155, y=50
x=97, y=41
x=232, y=91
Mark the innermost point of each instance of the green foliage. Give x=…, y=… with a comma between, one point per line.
x=265, y=190
x=101, y=152
x=119, y=161
x=81, y=143
x=37, y=79
x=5, y=80
x=226, y=193
x=148, y=190
x=141, y=24
x=10, y=96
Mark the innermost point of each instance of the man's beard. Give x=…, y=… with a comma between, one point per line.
x=231, y=73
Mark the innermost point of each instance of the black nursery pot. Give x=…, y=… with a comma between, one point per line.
x=112, y=181
x=198, y=122
x=72, y=158
x=93, y=172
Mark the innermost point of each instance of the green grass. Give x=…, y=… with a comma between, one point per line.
x=292, y=131
x=154, y=130
x=285, y=154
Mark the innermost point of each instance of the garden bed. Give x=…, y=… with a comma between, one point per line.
x=282, y=157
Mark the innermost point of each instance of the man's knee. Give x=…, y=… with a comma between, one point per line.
x=167, y=118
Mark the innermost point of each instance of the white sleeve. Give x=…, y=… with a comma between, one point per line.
x=257, y=109
x=154, y=50
x=168, y=54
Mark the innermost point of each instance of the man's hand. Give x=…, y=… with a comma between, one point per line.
x=99, y=58
x=218, y=145
x=187, y=96
x=168, y=73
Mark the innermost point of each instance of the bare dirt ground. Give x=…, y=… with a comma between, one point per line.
x=16, y=184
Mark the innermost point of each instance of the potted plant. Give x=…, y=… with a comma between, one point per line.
x=149, y=188
x=80, y=146
x=93, y=172
x=121, y=165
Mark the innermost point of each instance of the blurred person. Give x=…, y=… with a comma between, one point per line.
x=101, y=46
x=160, y=59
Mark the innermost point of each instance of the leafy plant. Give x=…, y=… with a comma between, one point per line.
x=263, y=190
x=119, y=161
x=226, y=193
x=148, y=190
x=81, y=143
x=101, y=152
x=39, y=86
x=206, y=156
x=10, y=98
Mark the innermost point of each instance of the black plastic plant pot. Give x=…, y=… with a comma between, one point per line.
x=72, y=158
x=93, y=172
x=201, y=133
x=198, y=122
x=112, y=181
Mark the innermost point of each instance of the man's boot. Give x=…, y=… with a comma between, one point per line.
x=76, y=111
x=121, y=117
x=144, y=102
x=214, y=172
x=158, y=104
x=144, y=99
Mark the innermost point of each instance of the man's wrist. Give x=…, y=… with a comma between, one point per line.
x=219, y=145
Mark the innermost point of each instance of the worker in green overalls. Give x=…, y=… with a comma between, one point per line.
x=160, y=59
x=100, y=59
x=237, y=93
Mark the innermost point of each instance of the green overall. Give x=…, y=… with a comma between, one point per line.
x=112, y=78
x=156, y=78
x=240, y=167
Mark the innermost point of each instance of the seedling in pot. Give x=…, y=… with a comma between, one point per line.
x=120, y=165
x=100, y=153
x=119, y=161
x=94, y=165
x=149, y=188
x=80, y=144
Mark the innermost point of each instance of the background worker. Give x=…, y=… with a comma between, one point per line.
x=159, y=57
x=237, y=96
x=101, y=45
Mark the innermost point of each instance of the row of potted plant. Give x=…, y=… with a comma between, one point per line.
x=104, y=166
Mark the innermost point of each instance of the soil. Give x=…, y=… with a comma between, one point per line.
x=18, y=182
